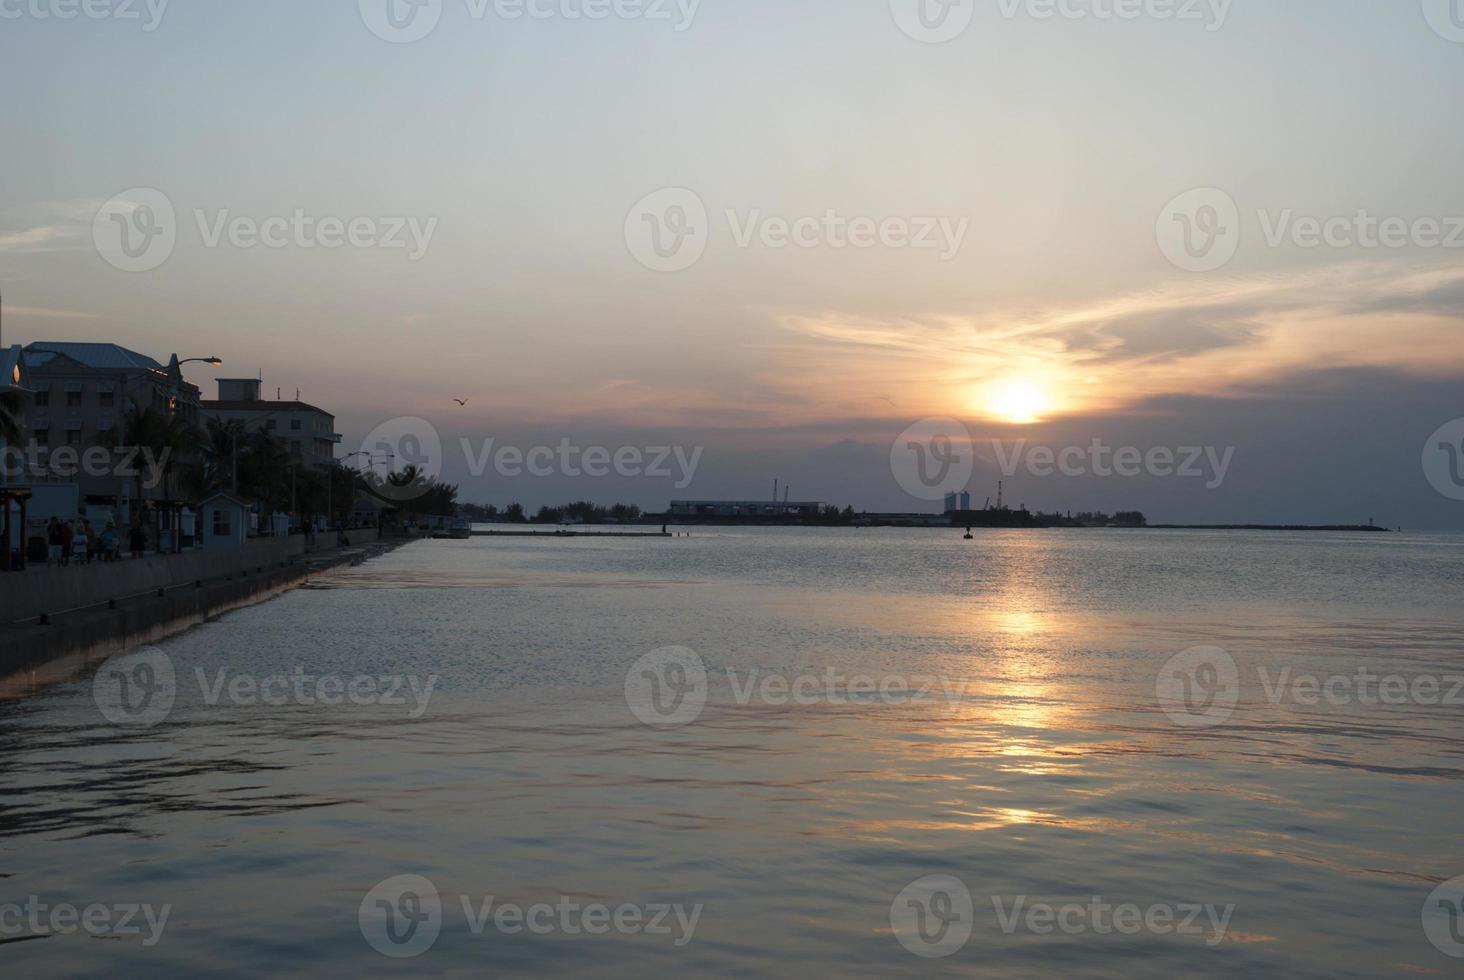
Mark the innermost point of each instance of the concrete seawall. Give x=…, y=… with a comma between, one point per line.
x=94, y=616
x=35, y=591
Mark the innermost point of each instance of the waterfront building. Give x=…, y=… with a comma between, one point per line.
x=307, y=431
x=76, y=421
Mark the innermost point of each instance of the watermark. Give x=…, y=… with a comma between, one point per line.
x=1443, y=918
x=67, y=462
x=595, y=462
x=303, y=230
x=411, y=449
x=1099, y=459
x=1101, y=917
x=1202, y=230
x=1212, y=14
x=938, y=21
x=668, y=688
x=932, y=458
x=403, y=917
x=408, y=21
x=669, y=231
x=98, y=920
x=1443, y=459
x=148, y=13
x=140, y=689
x=1446, y=17
x=933, y=917
x=136, y=689
x=137, y=231
x=1361, y=687
x=1201, y=687
x=933, y=21
x=1199, y=231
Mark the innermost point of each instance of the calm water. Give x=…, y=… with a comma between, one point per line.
x=1020, y=746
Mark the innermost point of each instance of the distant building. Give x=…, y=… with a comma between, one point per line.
x=955, y=502
x=82, y=393
x=745, y=508
x=308, y=432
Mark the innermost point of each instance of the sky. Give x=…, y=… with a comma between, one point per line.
x=776, y=236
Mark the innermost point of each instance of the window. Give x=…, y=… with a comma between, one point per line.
x=43, y=437
x=269, y=425
x=221, y=528
x=295, y=448
x=107, y=399
x=294, y=425
x=73, y=437
x=73, y=399
x=43, y=399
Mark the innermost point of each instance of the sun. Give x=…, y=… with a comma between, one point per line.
x=1018, y=402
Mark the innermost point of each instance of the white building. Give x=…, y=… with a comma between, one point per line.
x=308, y=432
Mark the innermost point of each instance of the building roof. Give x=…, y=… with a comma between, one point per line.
x=260, y=406
x=225, y=495
x=102, y=356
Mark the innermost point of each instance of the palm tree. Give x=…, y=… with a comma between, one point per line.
x=219, y=454
x=11, y=405
x=170, y=440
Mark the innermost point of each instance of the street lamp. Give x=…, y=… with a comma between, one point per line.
x=330, y=482
x=175, y=387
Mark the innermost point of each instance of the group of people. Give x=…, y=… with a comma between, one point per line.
x=77, y=541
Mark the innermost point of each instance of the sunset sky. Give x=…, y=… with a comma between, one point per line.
x=1056, y=145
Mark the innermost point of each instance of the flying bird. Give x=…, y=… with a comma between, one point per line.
x=463, y=402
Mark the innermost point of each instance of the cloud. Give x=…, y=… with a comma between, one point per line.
x=1216, y=336
x=38, y=311
x=57, y=226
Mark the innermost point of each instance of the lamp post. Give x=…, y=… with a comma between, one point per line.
x=175, y=388
x=330, y=483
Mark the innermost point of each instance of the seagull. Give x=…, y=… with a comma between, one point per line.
x=461, y=402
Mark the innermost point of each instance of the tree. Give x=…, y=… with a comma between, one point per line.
x=171, y=441
x=11, y=405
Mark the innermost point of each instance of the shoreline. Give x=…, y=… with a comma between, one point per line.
x=35, y=653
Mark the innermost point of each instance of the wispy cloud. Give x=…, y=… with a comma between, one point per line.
x=56, y=226
x=38, y=311
x=1216, y=337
